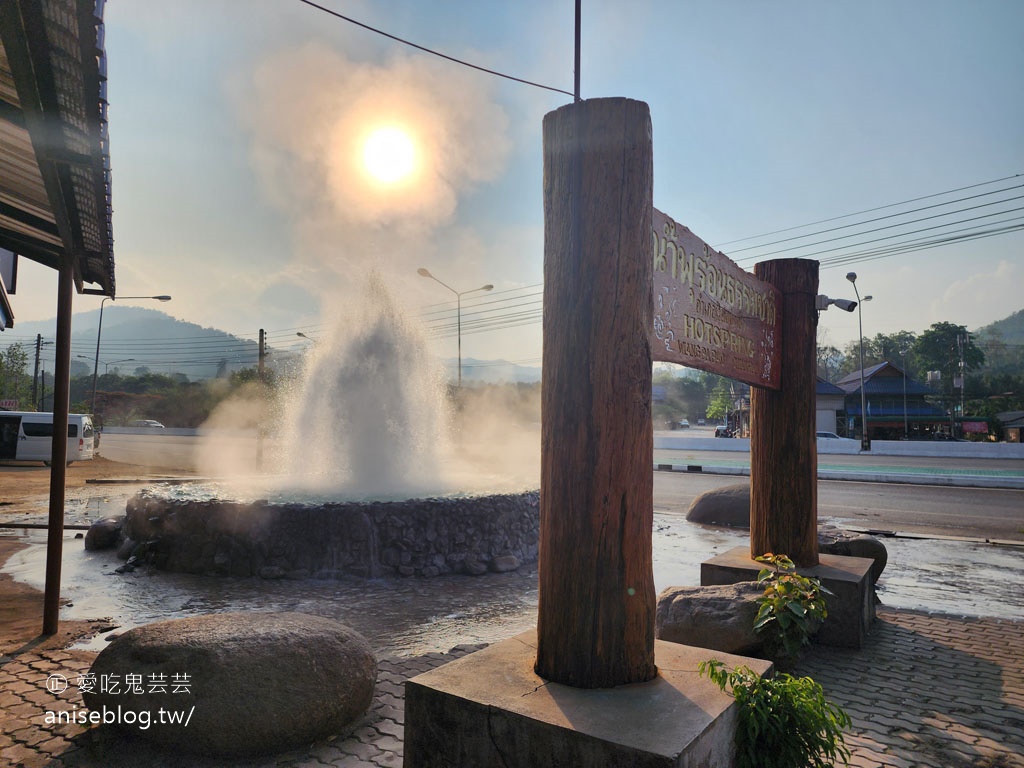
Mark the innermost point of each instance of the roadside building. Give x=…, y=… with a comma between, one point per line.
x=898, y=407
x=830, y=403
x=1012, y=423
x=829, y=407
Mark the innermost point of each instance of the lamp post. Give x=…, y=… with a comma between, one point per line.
x=423, y=272
x=106, y=364
x=864, y=444
x=99, y=331
x=301, y=335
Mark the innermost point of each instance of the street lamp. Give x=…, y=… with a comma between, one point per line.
x=99, y=331
x=864, y=444
x=106, y=365
x=423, y=272
x=307, y=338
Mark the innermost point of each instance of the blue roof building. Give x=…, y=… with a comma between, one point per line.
x=897, y=406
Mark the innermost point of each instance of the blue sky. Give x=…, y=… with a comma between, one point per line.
x=229, y=121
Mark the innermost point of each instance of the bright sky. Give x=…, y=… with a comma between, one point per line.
x=243, y=183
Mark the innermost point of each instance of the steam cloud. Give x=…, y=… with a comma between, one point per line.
x=309, y=111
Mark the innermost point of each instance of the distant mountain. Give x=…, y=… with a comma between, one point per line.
x=492, y=371
x=1003, y=344
x=1009, y=330
x=135, y=338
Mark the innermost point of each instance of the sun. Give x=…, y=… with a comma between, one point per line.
x=389, y=155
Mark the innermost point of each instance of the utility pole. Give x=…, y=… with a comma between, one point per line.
x=263, y=353
x=961, y=341
x=259, y=426
x=35, y=375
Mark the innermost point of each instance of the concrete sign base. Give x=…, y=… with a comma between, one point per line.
x=490, y=709
x=851, y=608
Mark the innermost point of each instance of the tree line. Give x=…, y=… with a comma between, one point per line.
x=992, y=370
x=993, y=374
x=173, y=399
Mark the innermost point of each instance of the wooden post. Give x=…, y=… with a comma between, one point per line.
x=59, y=450
x=596, y=609
x=783, y=451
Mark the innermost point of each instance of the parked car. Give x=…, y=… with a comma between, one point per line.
x=147, y=424
x=833, y=436
x=684, y=424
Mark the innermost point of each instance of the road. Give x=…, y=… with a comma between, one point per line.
x=934, y=510
x=158, y=449
x=985, y=513
x=867, y=462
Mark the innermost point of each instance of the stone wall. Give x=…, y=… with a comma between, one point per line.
x=420, y=537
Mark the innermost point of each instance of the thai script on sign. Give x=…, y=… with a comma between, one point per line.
x=709, y=313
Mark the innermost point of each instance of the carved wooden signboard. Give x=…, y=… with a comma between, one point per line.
x=709, y=313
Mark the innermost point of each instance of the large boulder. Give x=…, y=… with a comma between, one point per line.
x=730, y=506
x=104, y=534
x=835, y=541
x=717, y=617
x=246, y=683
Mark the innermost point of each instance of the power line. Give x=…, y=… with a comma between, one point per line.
x=977, y=235
x=894, y=226
x=890, y=216
x=903, y=234
x=917, y=242
x=888, y=237
x=433, y=52
x=502, y=363
x=868, y=210
x=484, y=298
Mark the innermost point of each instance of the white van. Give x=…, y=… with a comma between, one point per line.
x=27, y=436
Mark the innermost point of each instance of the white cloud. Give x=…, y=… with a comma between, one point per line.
x=975, y=300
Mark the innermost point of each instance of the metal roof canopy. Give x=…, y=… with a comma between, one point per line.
x=55, y=189
x=54, y=151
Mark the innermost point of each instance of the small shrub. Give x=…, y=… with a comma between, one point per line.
x=791, y=607
x=784, y=722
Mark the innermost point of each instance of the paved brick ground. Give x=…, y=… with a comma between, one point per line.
x=930, y=691
x=927, y=691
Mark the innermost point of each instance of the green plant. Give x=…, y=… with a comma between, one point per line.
x=783, y=721
x=791, y=607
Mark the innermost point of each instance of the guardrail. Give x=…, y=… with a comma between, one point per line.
x=938, y=448
x=151, y=431
x=950, y=449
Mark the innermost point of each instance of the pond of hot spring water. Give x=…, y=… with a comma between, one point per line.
x=411, y=616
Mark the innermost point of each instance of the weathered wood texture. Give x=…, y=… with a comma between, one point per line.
x=597, y=601
x=783, y=452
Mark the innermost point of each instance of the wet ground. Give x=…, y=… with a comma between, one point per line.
x=408, y=617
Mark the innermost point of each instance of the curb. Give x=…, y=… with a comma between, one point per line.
x=959, y=481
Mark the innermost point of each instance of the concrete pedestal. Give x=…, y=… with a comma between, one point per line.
x=490, y=709
x=851, y=607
